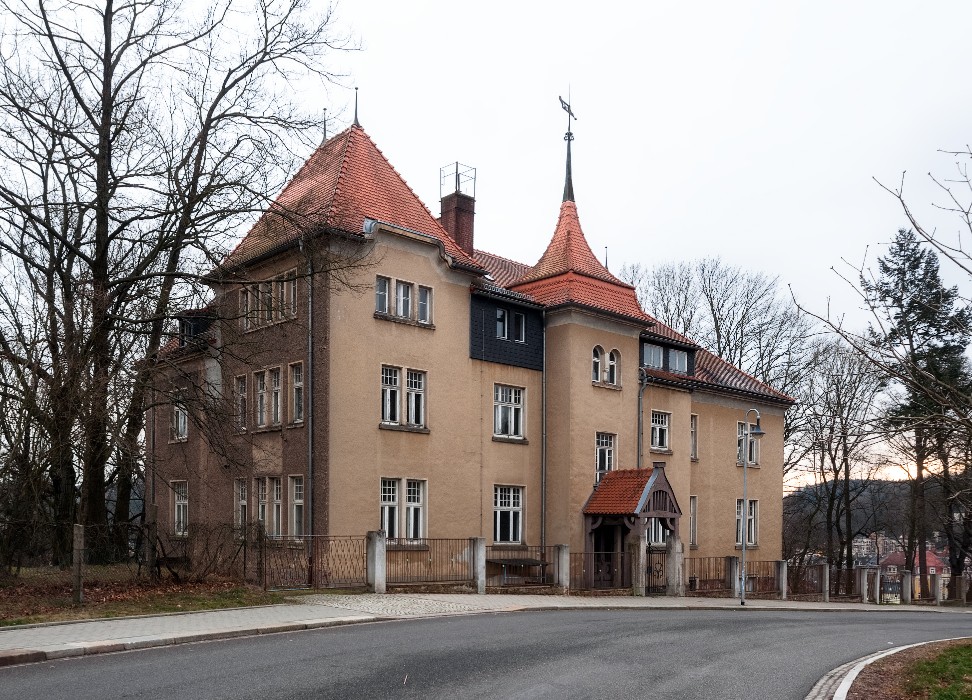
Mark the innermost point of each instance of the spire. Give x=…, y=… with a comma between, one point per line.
x=324, y=140
x=568, y=137
x=356, y=122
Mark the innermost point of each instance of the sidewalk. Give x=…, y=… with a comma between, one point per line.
x=58, y=640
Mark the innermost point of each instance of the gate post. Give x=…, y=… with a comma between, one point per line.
x=862, y=582
x=906, y=587
x=562, y=554
x=77, y=578
x=732, y=574
x=781, y=581
x=825, y=581
x=637, y=556
x=961, y=586
x=674, y=566
x=877, y=586
x=376, y=561
x=477, y=549
x=936, y=582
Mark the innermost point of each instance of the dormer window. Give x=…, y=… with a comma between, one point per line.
x=653, y=356
x=678, y=361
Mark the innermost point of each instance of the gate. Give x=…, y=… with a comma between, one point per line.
x=891, y=589
x=656, y=578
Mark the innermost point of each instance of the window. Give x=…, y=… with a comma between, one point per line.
x=507, y=411
x=403, y=299
x=261, y=489
x=180, y=420
x=753, y=445
x=266, y=299
x=501, y=324
x=276, y=507
x=596, y=355
x=605, y=453
x=297, y=392
x=892, y=569
x=414, y=521
x=519, y=328
x=752, y=522
x=694, y=436
x=507, y=514
x=612, y=367
x=659, y=430
x=180, y=508
x=390, y=379
x=678, y=361
x=292, y=287
x=653, y=356
x=245, y=308
x=241, y=403
x=260, y=409
x=297, y=506
x=657, y=534
x=281, y=303
x=425, y=305
x=415, y=398
x=275, y=396
x=389, y=507
x=239, y=490
x=694, y=520
x=382, y=285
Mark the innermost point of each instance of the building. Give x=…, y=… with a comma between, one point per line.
x=363, y=366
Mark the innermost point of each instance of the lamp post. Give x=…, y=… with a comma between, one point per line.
x=754, y=433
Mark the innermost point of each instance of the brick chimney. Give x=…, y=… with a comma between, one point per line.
x=458, y=207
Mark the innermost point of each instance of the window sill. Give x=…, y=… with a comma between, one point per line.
x=178, y=441
x=511, y=439
x=751, y=465
x=267, y=429
x=403, y=428
x=693, y=459
x=269, y=324
x=405, y=321
x=607, y=385
x=296, y=424
x=660, y=451
x=749, y=547
x=693, y=546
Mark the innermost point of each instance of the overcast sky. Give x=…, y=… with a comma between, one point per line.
x=750, y=131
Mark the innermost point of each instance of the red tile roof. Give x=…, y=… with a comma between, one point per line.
x=503, y=270
x=931, y=558
x=346, y=180
x=569, y=273
x=619, y=492
x=713, y=370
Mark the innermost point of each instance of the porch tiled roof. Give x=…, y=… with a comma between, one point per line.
x=346, y=180
x=619, y=492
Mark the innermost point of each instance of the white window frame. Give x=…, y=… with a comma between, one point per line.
x=677, y=361
x=654, y=356
x=180, y=508
x=261, y=494
x=382, y=291
x=276, y=506
x=240, y=502
x=403, y=299
x=414, y=509
x=415, y=382
x=752, y=523
x=241, y=405
x=388, y=504
x=292, y=293
x=245, y=301
x=507, y=514
x=275, y=406
x=753, y=444
x=266, y=303
x=297, y=506
x=694, y=436
x=519, y=327
x=613, y=366
x=604, y=446
x=508, y=411
x=179, y=421
x=391, y=389
x=502, y=324
x=694, y=521
x=661, y=428
x=424, y=304
x=597, y=357
x=260, y=398
x=657, y=534
x=297, y=392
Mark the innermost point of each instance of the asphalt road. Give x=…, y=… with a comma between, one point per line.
x=710, y=654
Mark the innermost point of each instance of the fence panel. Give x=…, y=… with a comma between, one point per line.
x=521, y=566
x=428, y=561
x=599, y=571
x=706, y=575
x=843, y=583
x=805, y=581
x=761, y=577
x=315, y=561
x=890, y=589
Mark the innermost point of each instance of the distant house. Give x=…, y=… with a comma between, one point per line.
x=436, y=390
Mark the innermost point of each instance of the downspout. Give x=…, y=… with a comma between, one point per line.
x=543, y=440
x=309, y=382
x=643, y=384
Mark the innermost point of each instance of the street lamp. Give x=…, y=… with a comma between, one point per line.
x=754, y=433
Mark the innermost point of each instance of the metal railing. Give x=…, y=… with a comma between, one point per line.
x=316, y=561
x=599, y=571
x=706, y=575
x=428, y=561
x=521, y=566
x=761, y=577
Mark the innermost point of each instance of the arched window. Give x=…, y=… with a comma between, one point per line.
x=596, y=356
x=612, y=367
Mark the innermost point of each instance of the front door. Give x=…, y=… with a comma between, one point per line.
x=606, y=557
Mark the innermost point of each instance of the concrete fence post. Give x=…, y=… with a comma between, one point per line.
x=877, y=586
x=77, y=575
x=906, y=587
x=781, y=578
x=861, y=576
x=637, y=556
x=151, y=542
x=961, y=589
x=562, y=555
x=732, y=575
x=825, y=581
x=936, y=584
x=377, y=561
x=674, y=566
x=477, y=549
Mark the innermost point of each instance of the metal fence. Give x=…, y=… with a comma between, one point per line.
x=521, y=566
x=599, y=571
x=707, y=575
x=429, y=561
x=805, y=581
x=761, y=577
x=891, y=588
x=843, y=583
x=315, y=562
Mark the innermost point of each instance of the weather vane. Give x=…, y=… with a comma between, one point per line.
x=569, y=136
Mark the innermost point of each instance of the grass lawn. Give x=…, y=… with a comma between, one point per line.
x=948, y=676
